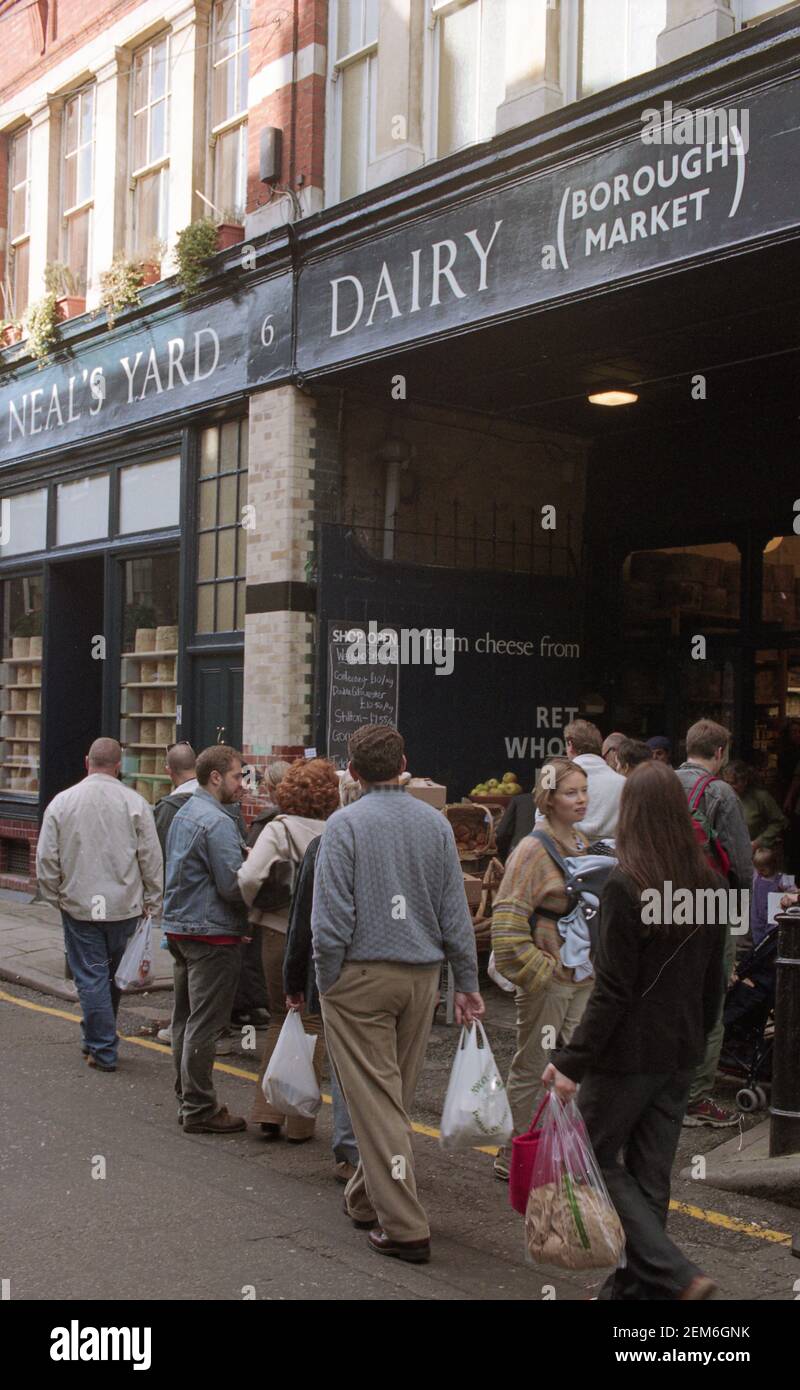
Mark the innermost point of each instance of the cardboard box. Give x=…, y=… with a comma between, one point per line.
x=426, y=790
x=473, y=888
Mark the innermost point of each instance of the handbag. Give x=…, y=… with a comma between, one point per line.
x=523, y=1157
x=275, y=893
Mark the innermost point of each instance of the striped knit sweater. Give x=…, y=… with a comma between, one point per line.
x=531, y=881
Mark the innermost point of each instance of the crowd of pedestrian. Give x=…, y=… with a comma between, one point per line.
x=344, y=900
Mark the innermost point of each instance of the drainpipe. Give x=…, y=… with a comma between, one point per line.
x=394, y=453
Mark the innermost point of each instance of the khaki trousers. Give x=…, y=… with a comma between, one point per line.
x=273, y=946
x=558, y=1007
x=378, y=1018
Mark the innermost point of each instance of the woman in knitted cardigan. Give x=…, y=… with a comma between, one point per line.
x=548, y=996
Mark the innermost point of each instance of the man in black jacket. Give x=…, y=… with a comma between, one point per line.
x=179, y=765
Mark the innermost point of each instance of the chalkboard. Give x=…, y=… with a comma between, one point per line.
x=359, y=692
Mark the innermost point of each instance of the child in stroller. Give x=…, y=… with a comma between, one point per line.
x=747, y=1045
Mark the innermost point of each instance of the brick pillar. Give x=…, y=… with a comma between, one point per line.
x=692, y=24
x=279, y=626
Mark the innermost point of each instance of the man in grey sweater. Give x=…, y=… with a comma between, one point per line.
x=389, y=908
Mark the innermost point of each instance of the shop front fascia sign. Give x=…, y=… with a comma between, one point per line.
x=624, y=212
x=156, y=367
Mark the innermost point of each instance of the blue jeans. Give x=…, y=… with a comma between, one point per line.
x=94, y=951
x=343, y=1141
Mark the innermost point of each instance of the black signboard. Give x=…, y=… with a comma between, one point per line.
x=363, y=681
x=159, y=365
x=490, y=662
x=679, y=190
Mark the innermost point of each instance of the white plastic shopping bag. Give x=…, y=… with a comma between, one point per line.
x=135, y=970
x=289, y=1081
x=476, y=1109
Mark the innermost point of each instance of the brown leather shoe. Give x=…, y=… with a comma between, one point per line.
x=359, y=1225
x=414, y=1251
x=221, y=1123
x=700, y=1287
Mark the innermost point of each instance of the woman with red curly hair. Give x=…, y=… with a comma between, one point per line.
x=307, y=795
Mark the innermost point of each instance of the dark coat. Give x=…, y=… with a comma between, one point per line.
x=515, y=823
x=656, y=995
x=299, y=976
x=165, y=812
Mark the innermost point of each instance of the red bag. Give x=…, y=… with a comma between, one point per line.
x=704, y=833
x=523, y=1157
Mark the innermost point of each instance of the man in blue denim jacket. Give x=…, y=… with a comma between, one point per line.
x=205, y=921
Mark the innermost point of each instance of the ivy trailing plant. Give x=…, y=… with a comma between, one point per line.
x=194, y=247
x=42, y=322
x=120, y=287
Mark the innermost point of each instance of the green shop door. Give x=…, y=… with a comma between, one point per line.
x=218, y=691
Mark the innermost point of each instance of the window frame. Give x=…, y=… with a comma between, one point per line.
x=217, y=636
x=572, y=53
x=237, y=121
x=68, y=214
x=366, y=52
x=22, y=238
x=435, y=10
x=160, y=165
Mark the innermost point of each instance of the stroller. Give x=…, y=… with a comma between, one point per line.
x=747, y=1020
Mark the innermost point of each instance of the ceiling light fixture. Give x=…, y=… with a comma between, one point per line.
x=613, y=398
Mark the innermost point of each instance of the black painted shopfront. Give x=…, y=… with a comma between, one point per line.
x=510, y=280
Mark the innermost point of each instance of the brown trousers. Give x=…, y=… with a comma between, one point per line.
x=378, y=1018
x=273, y=945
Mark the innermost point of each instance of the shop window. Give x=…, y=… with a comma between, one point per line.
x=23, y=527
x=149, y=671
x=221, y=538
x=617, y=41
x=664, y=589
x=78, y=184
x=229, y=74
x=150, y=146
x=82, y=510
x=780, y=596
x=353, y=77
x=149, y=495
x=468, y=68
x=17, y=288
x=20, y=723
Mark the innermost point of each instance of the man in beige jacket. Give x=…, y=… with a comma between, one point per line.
x=99, y=861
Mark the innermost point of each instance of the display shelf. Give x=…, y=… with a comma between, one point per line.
x=149, y=656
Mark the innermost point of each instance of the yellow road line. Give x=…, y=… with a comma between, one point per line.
x=712, y=1218
x=731, y=1223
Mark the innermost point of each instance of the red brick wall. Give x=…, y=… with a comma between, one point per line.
x=26, y=831
x=69, y=25
x=302, y=121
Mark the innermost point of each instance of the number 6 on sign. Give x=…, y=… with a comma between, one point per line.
x=267, y=328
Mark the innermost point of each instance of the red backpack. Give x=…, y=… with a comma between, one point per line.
x=704, y=832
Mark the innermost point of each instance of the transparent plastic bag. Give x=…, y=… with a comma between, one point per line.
x=135, y=970
x=289, y=1082
x=570, y=1222
x=476, y=1106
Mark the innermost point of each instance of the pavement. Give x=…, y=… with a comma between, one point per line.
x=743, y=1164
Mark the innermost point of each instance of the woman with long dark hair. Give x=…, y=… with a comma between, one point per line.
x=657, y=989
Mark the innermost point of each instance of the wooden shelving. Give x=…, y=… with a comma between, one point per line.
x=143, y=762
x=20, y=774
